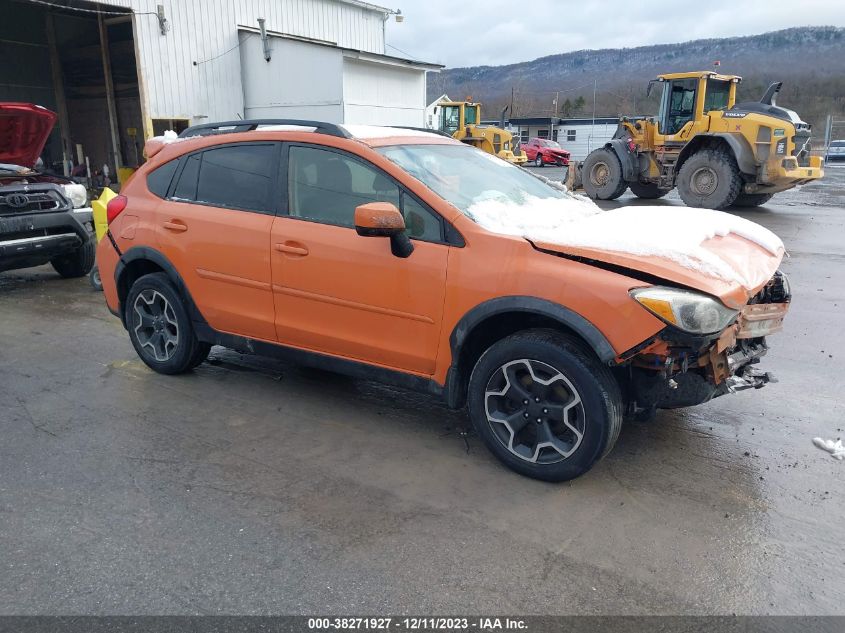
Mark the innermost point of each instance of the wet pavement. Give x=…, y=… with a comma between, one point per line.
x=253, y=486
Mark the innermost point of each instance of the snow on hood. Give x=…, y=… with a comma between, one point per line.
x=672, y=233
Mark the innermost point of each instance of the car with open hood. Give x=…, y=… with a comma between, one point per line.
x=413, y=259
x=43, y=218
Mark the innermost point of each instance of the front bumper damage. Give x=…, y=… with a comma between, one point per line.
x=676, y=370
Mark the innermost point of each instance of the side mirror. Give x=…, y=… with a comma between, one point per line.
x=382, y=219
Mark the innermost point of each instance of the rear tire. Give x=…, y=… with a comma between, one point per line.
x=159, y=327
x=601, y=175
x=538, y=160
x=752, y=199
x=77, y=263
x=709, y=179
x=647, y=191
x=544, y=406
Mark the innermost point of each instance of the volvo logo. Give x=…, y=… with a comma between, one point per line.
x=17, y=200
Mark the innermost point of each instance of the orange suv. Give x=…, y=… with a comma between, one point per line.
x=410, y=258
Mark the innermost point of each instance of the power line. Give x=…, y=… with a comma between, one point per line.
x=94, y=11
x=396, y=48
x=226, y=52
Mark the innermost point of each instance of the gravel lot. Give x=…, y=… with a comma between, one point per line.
x=251, y=486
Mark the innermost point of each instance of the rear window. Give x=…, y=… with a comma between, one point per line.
x=230, y=176
x=158, y=180
x=237, y=177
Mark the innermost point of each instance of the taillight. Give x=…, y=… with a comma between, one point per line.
x=115, y=207
x=631, y=145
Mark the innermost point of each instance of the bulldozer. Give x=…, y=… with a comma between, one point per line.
x=462, y=121
x=717, y=152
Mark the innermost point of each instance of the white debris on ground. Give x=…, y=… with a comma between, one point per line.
x=667, y=232
x=836, y=449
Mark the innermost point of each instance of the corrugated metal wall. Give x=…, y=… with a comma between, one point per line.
x=379, y=94
x=194, y=71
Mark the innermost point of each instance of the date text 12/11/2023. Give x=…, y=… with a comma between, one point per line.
x=416, y=624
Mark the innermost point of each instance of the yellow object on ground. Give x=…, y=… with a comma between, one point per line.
x=98, y=207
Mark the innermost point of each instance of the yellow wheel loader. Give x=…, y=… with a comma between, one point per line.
x=716, y=152
x=461, y=120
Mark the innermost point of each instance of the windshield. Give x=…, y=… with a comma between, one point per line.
x=552, y=144
x=717, y=95
x=464, y=175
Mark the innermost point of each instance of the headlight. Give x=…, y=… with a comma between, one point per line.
x=688, y=311
x=77, y=194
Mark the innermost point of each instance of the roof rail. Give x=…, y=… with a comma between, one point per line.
x=421, y=129
x=248, y=125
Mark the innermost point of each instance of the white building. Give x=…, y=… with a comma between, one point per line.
x=579, y=136
x=431, y=111
x=169, y=64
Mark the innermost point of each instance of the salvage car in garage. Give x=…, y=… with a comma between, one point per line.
x=330, y=245
x=43, y=218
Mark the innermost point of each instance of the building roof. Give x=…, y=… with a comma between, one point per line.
x=546, y=120
x=349, y=52
x=368, y=5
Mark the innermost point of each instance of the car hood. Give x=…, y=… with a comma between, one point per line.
x=24, y=128
x=718, y=253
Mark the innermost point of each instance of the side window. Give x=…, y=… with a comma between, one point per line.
x=326, y=186
x=158, y=180
x=237, y=177
x=186, y=188
x=420, y=223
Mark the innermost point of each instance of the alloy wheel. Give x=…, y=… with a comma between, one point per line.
x=534, y=411
x=155, y=324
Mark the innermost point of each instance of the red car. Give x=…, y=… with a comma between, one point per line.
x=542, y=151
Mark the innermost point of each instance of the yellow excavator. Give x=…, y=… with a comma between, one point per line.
x=717, y=152
x=462, y=121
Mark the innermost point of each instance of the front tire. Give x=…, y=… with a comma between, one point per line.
x=94, y=279
x=709, y=179
x=159, y=327
x=752, y=199
x=544, y=406
x=647, y=191
x=77, y=263
x=601, y=175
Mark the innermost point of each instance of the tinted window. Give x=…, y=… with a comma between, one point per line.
x=326, y=186
x=420, y=223
x=237, y=177
x=186, y=188
x=158, y=180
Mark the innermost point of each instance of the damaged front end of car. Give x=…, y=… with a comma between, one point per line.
x=706, y=350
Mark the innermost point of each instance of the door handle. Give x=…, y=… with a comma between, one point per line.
x=292, y=248
x=175, y=225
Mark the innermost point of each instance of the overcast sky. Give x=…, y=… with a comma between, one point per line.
x=473, y=32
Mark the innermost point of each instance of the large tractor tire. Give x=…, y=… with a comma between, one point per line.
x=709, y=179
x=647, y=191
x=752, y=199
x=601, y=175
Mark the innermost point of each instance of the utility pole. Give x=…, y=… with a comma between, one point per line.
x=593, y=127
x=513, y=114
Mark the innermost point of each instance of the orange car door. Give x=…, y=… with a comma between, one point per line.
x=347, y=295
x=215, y=229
